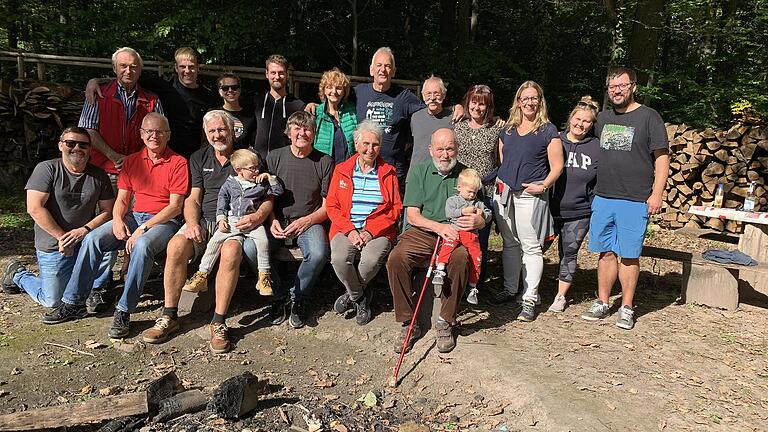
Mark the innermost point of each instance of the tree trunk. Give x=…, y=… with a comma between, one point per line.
x=13, y=30
x=473, y=21
x=644, y=42
x=463, y=22
x=448, y=23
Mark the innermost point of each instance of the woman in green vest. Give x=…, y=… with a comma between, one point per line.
x=336, y=117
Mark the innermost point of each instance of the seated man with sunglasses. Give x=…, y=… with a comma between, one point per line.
x=158, y=180
x=68, y=198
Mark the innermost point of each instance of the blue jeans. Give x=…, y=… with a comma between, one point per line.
x=315, y=251
x=102, y=240
x=55, y=271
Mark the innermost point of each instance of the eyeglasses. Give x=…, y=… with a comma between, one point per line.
x=158, y=132
x=252, y=168
x=432, y=95
x=622, y=86
x=233, y=87
x=531, y=99
x=72, y=143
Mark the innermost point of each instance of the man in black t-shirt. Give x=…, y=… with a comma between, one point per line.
x=300, y=212
x=62, y=197
x=631, y=177
x=209, y=169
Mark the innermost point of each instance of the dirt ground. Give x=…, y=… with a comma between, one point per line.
x=683, y=367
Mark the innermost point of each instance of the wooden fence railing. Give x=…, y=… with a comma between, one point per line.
x=295, y=79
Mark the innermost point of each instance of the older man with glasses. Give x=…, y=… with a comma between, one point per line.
x=158, y=180
x=68, y=198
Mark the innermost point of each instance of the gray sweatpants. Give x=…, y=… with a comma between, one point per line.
x=259, y=236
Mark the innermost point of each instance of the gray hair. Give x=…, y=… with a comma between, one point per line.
x=156, y=115
x=368, y=126
x=128, y=50
x=223, y=115
x=438, y=80
x=384, y=50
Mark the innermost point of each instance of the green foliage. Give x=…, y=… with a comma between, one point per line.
x=710, y=54
x=13, y=212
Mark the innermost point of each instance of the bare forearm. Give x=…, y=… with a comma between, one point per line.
x=167, y=213
x=44, y=220
x=660, y=174
x=264, y=211
x=99, y=220
x=98, y=143
x=419, y=221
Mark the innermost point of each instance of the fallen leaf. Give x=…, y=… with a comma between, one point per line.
x=108, y=391
x=532, y=421
x=87, y=389
x=331, y=397
x=369, y=399
x=497, y=410
x=16, y=371
x=324, y=383
x=338, y=426
x=91, y=344
x=351, y=361
x=62, y=399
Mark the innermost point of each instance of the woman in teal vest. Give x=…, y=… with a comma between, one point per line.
x=336, y=117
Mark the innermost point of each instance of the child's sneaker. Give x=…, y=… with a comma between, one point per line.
x=438, y=277
x=197, y=283
x=265, y=284
x=472, y=296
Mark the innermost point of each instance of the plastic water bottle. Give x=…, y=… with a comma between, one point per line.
x=750, y=202
x=719, y=195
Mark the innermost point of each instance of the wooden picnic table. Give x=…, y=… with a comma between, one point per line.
x=713, y=284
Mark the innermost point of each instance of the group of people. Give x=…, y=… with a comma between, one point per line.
x=334, y=179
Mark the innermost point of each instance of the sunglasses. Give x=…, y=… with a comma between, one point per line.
x=587, y=106
x=72, y=143
x=233, y=87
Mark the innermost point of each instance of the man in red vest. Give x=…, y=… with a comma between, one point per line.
x=113, y=121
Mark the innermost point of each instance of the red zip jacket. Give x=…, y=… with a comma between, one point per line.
x=121, y=135
x=381, y=222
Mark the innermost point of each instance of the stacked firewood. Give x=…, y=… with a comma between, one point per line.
x=32, y=116
x=702, y=159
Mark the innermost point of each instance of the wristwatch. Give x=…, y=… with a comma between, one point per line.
x=144, y=227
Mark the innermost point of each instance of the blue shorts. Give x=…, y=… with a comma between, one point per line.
x=618, y=226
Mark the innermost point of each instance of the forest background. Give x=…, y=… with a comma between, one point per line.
x=700, y=62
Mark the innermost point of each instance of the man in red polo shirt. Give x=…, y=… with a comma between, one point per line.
x=158, y=180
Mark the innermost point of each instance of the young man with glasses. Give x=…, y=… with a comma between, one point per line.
x=67, y=198
x=157, y=179
x=631, y=177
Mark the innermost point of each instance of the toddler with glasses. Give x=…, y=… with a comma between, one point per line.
x=240, y=196
x=464, y=203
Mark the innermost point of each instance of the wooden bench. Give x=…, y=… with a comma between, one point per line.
x=710, y=283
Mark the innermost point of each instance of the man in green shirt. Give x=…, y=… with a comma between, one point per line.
x=429, y=184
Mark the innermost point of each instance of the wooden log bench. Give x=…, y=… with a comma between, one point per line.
x=710, y=283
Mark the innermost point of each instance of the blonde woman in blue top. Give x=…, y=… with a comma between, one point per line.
x=336, y=117
x=531, y=157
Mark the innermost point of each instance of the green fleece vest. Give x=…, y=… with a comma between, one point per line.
x=324, y=124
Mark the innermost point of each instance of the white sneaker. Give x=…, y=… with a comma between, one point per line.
x=559, y=304
x=472, y=296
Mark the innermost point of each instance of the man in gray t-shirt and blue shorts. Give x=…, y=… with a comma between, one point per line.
x=631, y=177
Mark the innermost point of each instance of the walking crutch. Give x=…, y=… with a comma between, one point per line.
x=392, y=382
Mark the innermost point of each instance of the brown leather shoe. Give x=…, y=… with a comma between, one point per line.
x=219, y=339
x=444, y=337
x=416, y=333
x=162, y=330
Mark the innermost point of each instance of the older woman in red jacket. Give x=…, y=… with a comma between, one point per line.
x=363, y=205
